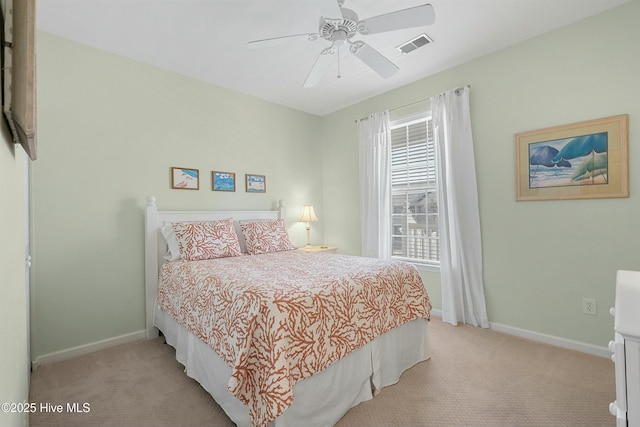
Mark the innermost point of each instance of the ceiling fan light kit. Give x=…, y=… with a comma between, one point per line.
x=339, y=25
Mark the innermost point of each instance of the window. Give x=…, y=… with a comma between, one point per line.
x=414, y=197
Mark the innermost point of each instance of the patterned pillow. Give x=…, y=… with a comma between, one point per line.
x=266, y=236
x=207, y=240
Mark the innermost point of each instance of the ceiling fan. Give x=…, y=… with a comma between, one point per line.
x=339, y=25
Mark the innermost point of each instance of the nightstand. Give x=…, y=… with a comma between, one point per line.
x=331, y=249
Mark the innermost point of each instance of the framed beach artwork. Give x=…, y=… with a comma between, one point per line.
x=185, y=179
x=256, y=183
x=223, y=181
x=583, y=160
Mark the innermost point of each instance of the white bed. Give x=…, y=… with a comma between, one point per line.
x=319, y=400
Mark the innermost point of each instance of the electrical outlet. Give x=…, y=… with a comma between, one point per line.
x=589, y=306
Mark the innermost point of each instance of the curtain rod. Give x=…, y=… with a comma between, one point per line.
x=456, y=90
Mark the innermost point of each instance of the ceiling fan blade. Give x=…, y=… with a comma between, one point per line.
x=374, y=59
x=318, y=69
x=277, y=41
x=329, y=9
x=407, y=18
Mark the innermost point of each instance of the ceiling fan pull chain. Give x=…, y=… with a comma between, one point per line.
x=339, y=76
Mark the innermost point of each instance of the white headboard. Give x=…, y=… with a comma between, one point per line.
x=155, y=247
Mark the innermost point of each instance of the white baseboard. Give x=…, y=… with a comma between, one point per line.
x=68, y=353
x=544, y=338
x=553, y=340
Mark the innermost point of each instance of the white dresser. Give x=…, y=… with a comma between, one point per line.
x=626, y=349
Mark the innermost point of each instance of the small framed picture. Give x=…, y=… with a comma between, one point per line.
x=185, y=179
x=256, y=183
x=223, y=181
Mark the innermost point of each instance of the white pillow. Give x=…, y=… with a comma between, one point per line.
x=173, y=251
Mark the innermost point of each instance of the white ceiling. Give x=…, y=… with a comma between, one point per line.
x=207, y=39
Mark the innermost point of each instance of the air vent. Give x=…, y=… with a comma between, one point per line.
x=411, y=45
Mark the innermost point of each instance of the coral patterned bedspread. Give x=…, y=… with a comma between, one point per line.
x=280, y=317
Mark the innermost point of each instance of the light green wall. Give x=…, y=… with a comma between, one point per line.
x=540, y=258
x=14, y=366
x=109, y=131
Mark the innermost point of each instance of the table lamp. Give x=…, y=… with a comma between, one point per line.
x=307, y=216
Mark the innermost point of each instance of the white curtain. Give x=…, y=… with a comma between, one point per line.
x=374, y=140
x=459, y=223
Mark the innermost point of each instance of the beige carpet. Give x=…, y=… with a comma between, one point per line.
x=476, y=377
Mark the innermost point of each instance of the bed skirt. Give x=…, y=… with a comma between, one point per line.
x=320, y=400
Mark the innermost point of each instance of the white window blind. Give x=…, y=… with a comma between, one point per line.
x=414, y=215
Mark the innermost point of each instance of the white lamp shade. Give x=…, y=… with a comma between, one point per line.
x=307, y=214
